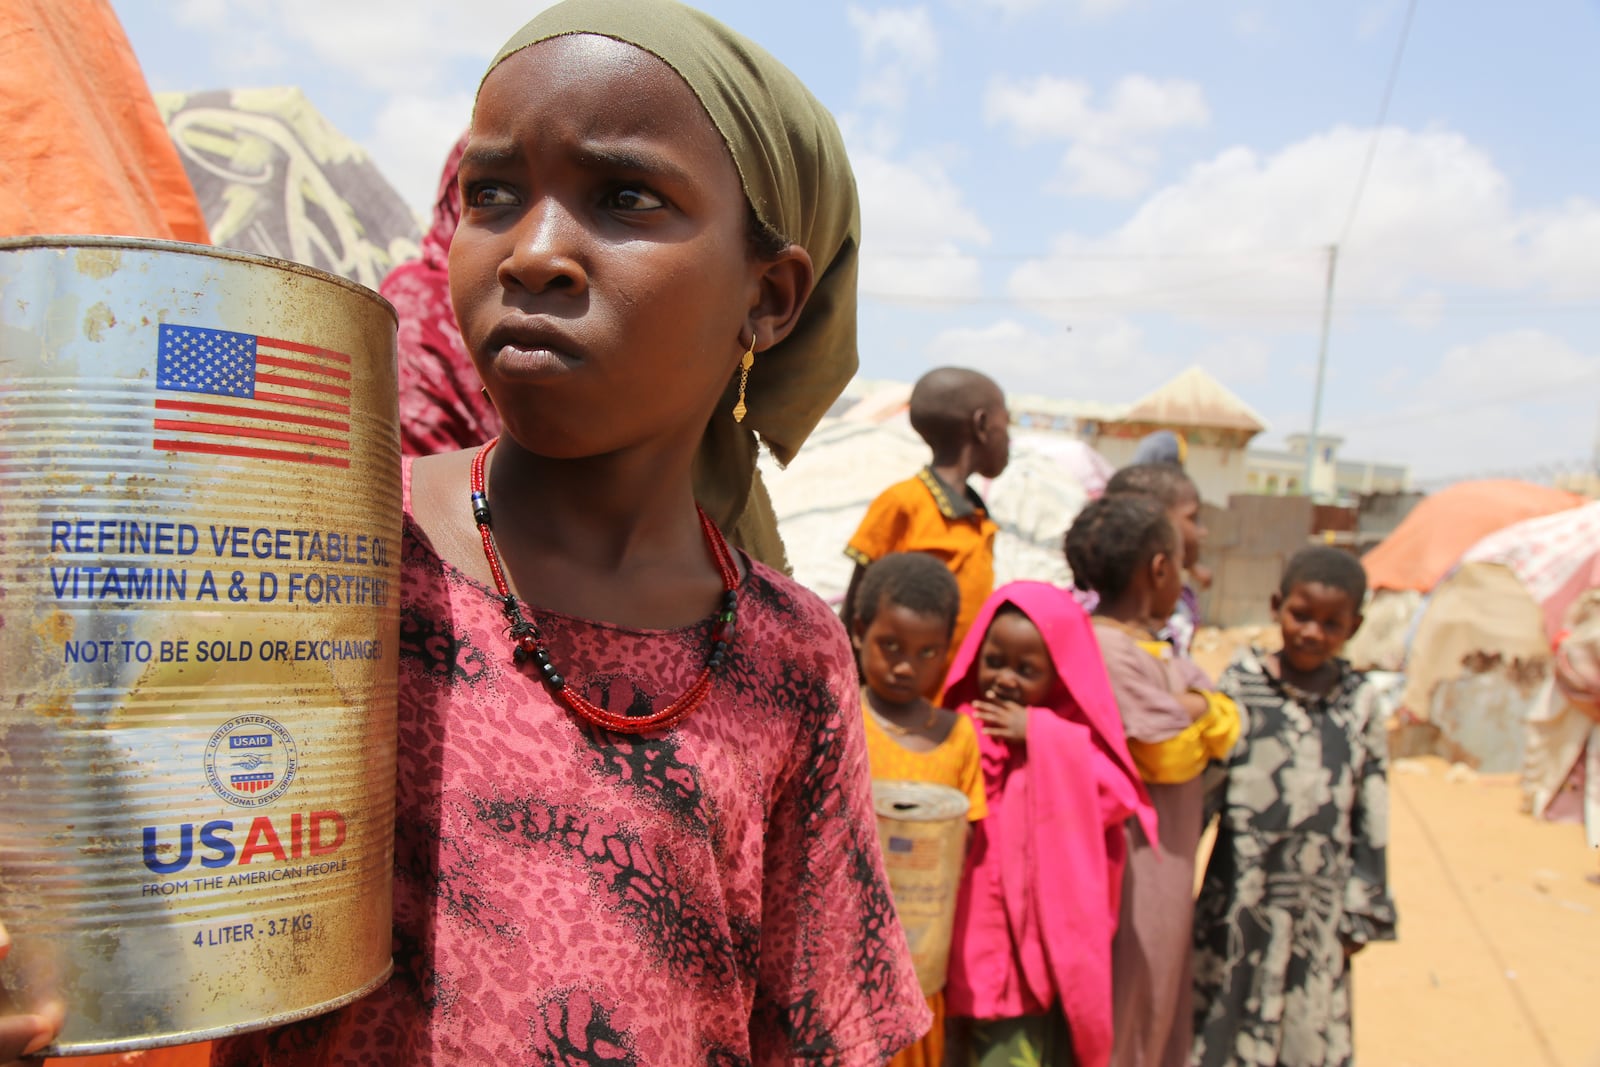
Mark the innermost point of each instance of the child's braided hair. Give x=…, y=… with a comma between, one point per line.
x=1113, y=537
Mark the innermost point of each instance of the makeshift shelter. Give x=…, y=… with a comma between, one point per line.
x=1380, y=644
x=820, y=497
x=86, y=151
x=1561, y=770
x=1481, y=651
x=1476, y=663
x=1444, y=525
x=276, y=178
x=1555, y=558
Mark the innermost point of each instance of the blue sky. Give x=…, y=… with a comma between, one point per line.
x=1084, y=197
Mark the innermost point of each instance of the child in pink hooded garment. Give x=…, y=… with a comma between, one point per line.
x=1038, y=905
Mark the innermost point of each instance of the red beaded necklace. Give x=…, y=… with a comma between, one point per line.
x=528, y=643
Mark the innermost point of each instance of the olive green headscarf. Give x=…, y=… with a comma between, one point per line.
x=791, y=161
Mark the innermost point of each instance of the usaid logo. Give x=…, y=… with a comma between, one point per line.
x=251, y=760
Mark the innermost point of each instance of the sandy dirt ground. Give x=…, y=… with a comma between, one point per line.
x=1498, y=960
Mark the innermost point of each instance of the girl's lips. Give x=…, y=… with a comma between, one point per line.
x=531, y=346
x=518, y=361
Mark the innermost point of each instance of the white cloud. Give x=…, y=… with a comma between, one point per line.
x=913, y=220
x=1112, y=150
x=1523, y=393
x=900, y=50
x=201, y=12
x=1090, y=8
x=1504, y=366
x=410, y=139
x=1241, y=238
x=404, y=45
x=1237, y=359
x=1095, y=360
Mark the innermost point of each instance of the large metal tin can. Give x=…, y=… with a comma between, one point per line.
x=199, y=555
x=922, y=829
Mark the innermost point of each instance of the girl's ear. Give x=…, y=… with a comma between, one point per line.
x=1159, y=562
x=1277, y=603
x=783, y=285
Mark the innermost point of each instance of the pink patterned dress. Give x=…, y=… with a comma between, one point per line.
x=565, y=895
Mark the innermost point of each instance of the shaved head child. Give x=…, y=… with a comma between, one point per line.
x=961, y=415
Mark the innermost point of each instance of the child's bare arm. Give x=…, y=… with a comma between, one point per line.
x=1194, y=703
x=1369, y=914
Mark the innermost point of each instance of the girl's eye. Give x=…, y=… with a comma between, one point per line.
x=634, y=198
x=487, y=194
x=928, y=653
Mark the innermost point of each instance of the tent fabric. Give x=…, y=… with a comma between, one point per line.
x=86, y=150
x=1444, y=525
x=275, y=177
x=1387, y=622
x=820, y=499
x=1556, y=558
x=1481, y=608
x=1561, y=768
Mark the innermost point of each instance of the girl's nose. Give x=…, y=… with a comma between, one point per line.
x=545, y=252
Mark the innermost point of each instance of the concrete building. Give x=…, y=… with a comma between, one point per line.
x=1282, y=472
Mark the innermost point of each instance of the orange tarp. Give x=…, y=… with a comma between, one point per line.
x=1441, y=528
x=86, y=151
x=177, y=1056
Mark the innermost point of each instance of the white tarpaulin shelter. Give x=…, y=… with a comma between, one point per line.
x=821, y=497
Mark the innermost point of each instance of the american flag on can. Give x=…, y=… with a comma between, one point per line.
x=222, y=393
x=251, y=783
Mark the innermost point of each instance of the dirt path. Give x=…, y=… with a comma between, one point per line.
x=1498, y=960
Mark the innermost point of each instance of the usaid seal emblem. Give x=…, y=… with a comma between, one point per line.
x=251, y=760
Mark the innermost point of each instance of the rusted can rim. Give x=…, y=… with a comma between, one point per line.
x=191, y=1037
x=146, y=244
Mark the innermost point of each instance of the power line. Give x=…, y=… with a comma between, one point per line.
x=1377, y=127
x=1500, y=400
x=1287, y=305
x=1547, y=473
x=924, y=255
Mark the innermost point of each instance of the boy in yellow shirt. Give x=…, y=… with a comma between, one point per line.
x=962, y=416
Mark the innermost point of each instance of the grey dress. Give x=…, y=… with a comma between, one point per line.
x=1297, y=876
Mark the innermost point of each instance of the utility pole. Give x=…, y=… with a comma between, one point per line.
x=1322, y=366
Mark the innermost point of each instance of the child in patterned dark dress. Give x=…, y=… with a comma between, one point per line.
x=634, y=821
x=1297, y=880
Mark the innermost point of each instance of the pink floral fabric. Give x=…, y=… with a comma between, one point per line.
x=709, y=895
x=442, y=407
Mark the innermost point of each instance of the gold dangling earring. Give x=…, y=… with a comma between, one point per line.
x=745, y=363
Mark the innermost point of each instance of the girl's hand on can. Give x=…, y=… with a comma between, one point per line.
x=23, y=1035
